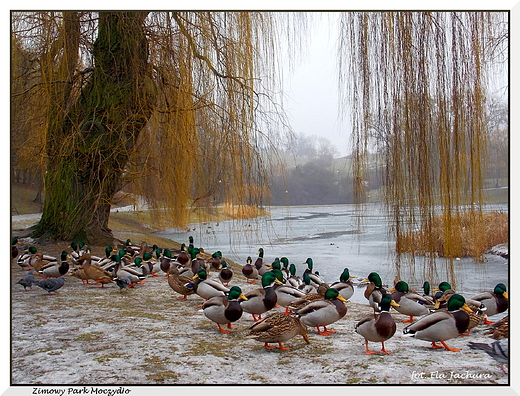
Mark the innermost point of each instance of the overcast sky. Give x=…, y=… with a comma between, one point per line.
x=312, y=89
x=312, y=94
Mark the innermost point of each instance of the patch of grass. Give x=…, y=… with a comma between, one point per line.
x=106, y=358
x=163, y=376
x=22, y=199
x=202, y=348
x=89, y=336
x=39, y=350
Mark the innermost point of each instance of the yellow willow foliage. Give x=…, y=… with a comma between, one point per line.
x=217, y=113
x=416, y=85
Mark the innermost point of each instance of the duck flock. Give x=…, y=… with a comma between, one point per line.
x=434, y=315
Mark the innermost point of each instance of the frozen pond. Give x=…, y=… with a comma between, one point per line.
x=335, y=237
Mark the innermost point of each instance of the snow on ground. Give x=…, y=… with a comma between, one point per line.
x=101, y=336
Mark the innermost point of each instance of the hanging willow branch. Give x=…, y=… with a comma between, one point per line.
x=181, y=109
x=416, y=86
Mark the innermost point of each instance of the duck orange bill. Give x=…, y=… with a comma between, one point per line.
x=341, y=298
x=394, y=304
x=242, y=297
x=505, y=295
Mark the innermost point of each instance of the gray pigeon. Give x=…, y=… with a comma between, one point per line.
x=498, y=350
x=27, y=281
x=50, y=285
x=123, y=283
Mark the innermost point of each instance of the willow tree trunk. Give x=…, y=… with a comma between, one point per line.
x=91, y=136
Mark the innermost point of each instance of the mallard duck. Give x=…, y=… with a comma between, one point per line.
x=97, y=274
x=225, y=274
x=374, y=291
x=194, y=265
x=293, y=279
x=143, y=248
x=262, y=299
x=27, y=281
x=80, y=274
x=183, y=285
x=154, y=266
x=324, y=313
x=498, y=350
x=191, y=246
x=317, y=295
x=380, y=326
x=141, y=266
x=285, y=267
x=74, y=253
x=427, y=290
x=476, y=316
x=106, y=259
x=277, y=327
x=408, y=302
x=207, y=288
x=51, y=285
x=344, y=285
x=131, y=249
x=224, y=309
x=250, y=271
x=166, y=261
x=315, y=276
x=442, y=325
x=261, y=266
x=15, y=252
x=286, y=294
x=24, y=260
x=495, y=302
x=215, y=262
x=38, y=261
x=122, y=269
x=306, y=285
x=499, y=329
x=183, y=257
x=55, y=270
x=438, y=294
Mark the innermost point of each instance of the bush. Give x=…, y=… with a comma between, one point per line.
x=468, y=234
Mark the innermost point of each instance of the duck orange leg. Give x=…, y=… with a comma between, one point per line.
x=383, y=350
x=282, y=348
x=325, y=332
x=221, y=329
x=255, y=318
x=466, y=333
x=184, y=298
x=448, y=348
x=408, y=320
x=435, y=346
x=368, y=351
x=267, y=346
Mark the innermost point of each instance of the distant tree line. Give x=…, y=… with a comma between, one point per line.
x=315, y=175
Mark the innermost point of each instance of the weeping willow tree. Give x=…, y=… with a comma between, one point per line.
x=180, y=106
x=416, y=86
